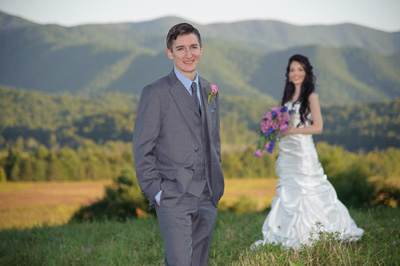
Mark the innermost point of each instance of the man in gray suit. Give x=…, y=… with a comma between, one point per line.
x=177, y=151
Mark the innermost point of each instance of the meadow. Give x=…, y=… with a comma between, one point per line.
x=28, y=204
x=138, y=241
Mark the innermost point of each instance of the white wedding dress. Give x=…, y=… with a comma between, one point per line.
x=305, y=202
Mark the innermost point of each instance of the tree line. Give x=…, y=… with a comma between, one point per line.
x=88, y=162
x=98, y=162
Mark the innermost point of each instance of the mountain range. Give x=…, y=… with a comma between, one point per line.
x=352, y=63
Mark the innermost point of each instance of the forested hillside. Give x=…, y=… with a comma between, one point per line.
x=246, y=59
x=362, y=126
x=61, y=137
x=70, y=120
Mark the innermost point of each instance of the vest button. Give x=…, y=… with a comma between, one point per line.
x=192, y=171
x=197, y=149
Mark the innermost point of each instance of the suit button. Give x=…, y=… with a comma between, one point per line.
x=192, y=171
x=197, y=149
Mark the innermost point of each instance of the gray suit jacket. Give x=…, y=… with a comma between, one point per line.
x=165, y=145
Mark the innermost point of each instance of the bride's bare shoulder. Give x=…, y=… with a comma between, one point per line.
x=313, y=97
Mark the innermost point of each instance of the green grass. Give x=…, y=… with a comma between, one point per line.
x=138, y=242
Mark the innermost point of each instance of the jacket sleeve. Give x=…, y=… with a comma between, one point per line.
x=145, y=135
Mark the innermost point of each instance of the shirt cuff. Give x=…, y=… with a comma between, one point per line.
x=158, y=196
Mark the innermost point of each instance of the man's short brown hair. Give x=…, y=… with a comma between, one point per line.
x=181, y=29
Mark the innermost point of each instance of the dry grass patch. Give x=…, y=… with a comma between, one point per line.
x=258, y=191
x=27, y=204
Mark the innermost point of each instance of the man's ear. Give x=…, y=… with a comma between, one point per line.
x=169, y=54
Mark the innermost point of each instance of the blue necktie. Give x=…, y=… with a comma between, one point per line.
x=194, y=95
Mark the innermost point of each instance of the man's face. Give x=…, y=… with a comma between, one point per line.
x=186, y=52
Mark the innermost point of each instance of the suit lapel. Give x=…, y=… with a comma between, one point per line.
x=206, y=107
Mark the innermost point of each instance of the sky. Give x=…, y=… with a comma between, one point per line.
x=376, y=14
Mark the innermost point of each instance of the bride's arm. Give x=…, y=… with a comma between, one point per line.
x=317, y=126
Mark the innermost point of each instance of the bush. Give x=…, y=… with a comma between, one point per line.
x=387, y=195
x=123, y=200
x=242, y=205
x=353, y=188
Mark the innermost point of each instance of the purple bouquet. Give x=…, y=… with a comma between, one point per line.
x=272, y=126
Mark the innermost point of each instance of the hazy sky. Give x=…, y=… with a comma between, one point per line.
x=377, y=14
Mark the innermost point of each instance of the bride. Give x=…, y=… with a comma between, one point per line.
x=305, y=201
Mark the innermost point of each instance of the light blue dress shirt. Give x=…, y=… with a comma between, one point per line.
x=188, y=83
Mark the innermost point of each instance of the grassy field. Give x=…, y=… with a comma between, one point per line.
x=27, y=204
x=138, y=241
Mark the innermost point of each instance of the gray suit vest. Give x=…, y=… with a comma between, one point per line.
x=201, y=173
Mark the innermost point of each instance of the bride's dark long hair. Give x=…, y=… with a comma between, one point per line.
x=307, y=87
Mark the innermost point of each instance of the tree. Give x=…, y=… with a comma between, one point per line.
x=72, y=166
x=12, y=164
x=54, y=169
x=3, y=177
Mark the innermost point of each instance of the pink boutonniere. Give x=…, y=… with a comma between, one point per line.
x=212, y=91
